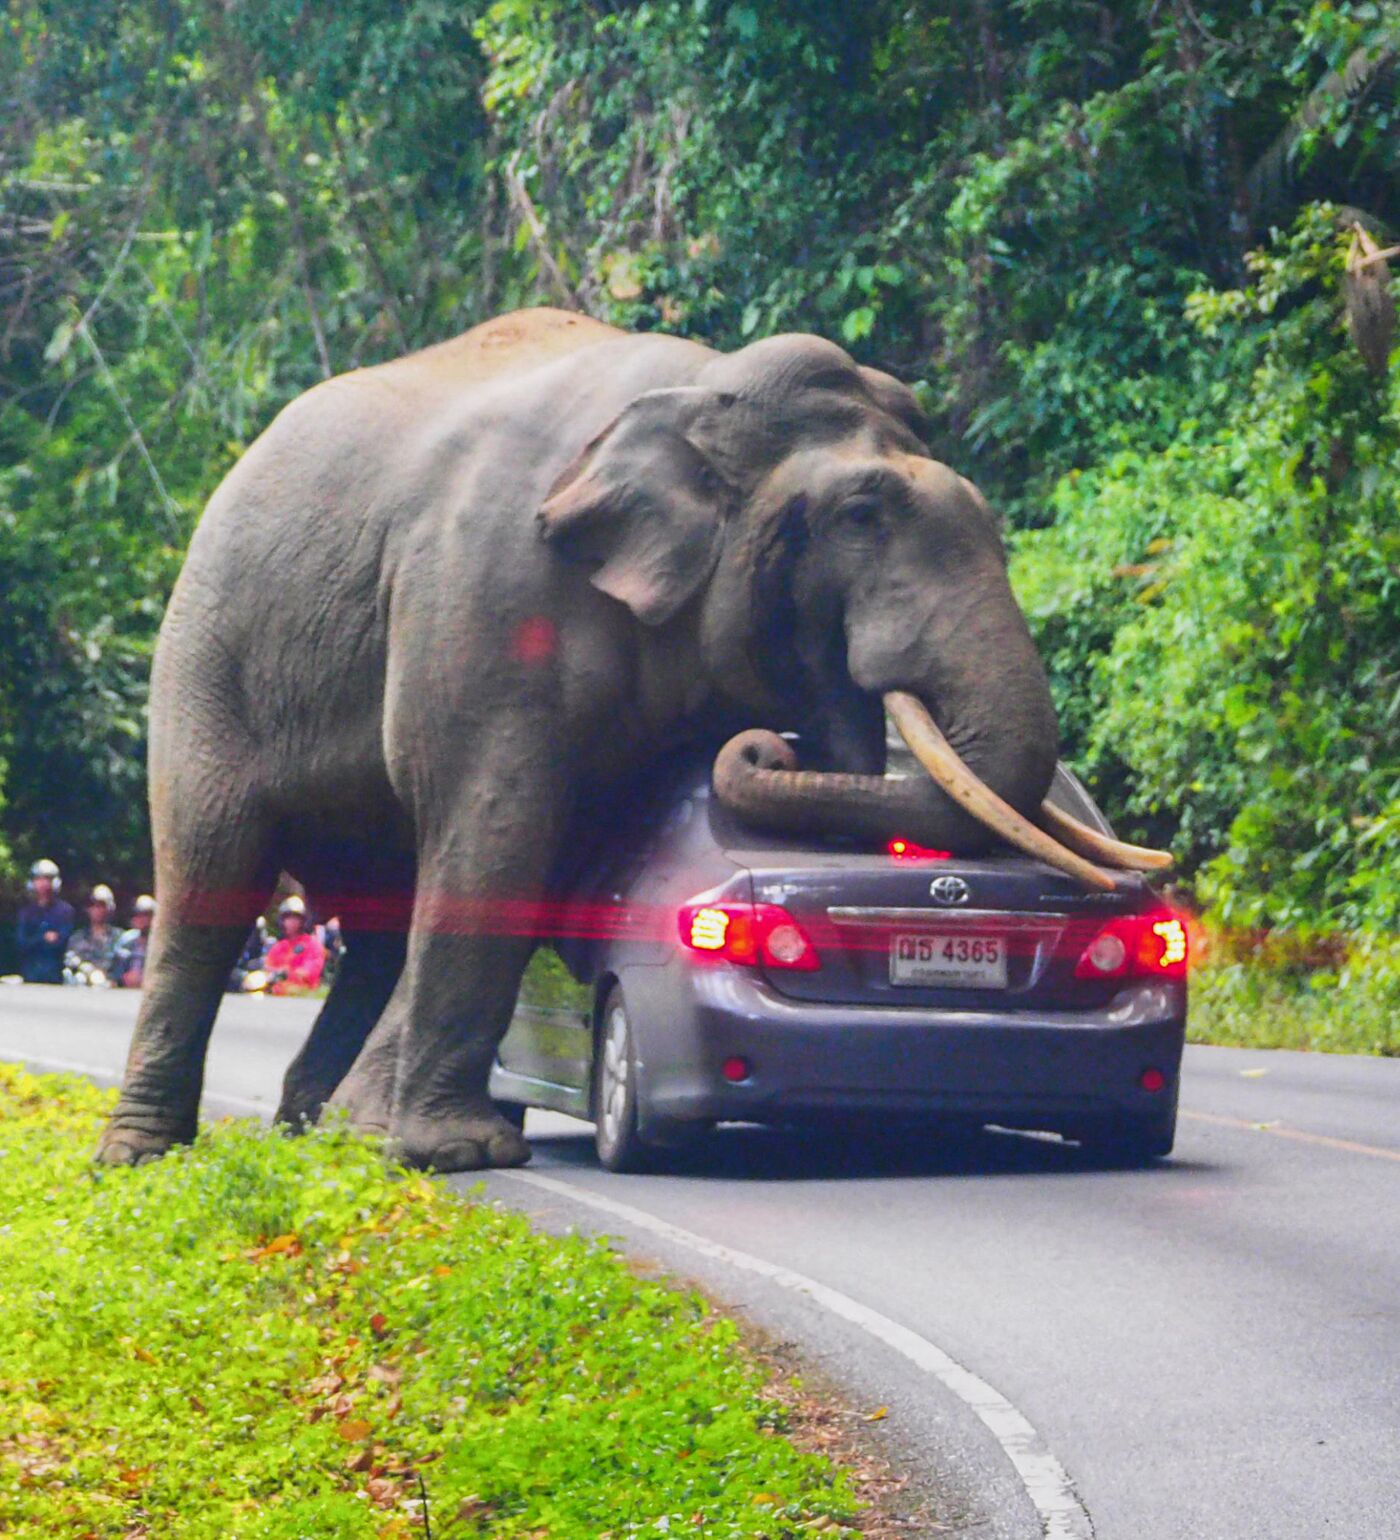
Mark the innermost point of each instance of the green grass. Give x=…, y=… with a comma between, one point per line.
x=275, y=1338
x=1333, y=996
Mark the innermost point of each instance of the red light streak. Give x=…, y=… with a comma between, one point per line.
x=536, y=640
x=551, y=918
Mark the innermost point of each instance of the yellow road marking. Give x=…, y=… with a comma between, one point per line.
x=1349, y=1145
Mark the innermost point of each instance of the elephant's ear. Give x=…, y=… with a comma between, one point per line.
x=645, y=502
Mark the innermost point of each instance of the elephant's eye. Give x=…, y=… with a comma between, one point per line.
x=863, y=512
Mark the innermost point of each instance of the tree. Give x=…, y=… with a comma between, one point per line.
x=1040, y=212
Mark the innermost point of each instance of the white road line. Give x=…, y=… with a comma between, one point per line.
x=239, y=1106
x=1062, y=1515
x=44, y=1065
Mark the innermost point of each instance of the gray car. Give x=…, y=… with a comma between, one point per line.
x=717, y=974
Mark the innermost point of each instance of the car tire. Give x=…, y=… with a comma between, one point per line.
x=620, y=1147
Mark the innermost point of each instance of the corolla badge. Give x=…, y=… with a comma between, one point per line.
x=949, y=890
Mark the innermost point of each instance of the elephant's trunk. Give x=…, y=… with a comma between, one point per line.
x=756, y=775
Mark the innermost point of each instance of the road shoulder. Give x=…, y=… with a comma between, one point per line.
x=955, y=1475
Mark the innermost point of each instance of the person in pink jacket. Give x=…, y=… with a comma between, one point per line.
x=296, y=961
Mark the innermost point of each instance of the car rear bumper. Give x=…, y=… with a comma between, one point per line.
x=1026, y=1069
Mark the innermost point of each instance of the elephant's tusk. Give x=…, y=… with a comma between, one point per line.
x=1084, y=841
x=937, y=756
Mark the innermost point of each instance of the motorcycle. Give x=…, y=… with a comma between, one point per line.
x=85, y=975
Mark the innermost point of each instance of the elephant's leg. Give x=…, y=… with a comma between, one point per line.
x=459, y=994
x=482, y=866
x=210, y=884
x=422, y=1076
x=368, y=972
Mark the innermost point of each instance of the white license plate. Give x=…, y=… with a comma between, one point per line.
x=934, y=958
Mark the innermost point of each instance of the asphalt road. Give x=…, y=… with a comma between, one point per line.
x=1210, y=1350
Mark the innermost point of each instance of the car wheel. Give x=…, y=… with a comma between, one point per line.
x=620, y=1147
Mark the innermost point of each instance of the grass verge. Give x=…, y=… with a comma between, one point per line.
x=285, y=1339
x=1337, y=995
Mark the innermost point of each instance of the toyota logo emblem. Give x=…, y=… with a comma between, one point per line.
x=949, y=890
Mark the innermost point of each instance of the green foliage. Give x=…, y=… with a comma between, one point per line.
x=203, y=211
x=267, y=1337
x=1281, y=993
x=1222, y=617
x=1039, y=212
x=650, y=152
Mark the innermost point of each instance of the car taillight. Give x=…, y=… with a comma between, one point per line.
x=1136, y=946
x=748, y=934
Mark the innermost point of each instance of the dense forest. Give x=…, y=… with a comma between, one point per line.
x=1121, y=250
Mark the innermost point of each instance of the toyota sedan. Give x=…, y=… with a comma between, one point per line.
x=717, y=974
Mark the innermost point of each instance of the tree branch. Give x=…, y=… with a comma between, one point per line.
x=539, y=237
x=168, y=504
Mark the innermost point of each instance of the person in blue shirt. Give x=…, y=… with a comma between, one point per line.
x=44, y=926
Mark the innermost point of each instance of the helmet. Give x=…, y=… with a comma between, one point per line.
x=45, y=868
x=102, y=894
x=292, y=904
x=144, y=905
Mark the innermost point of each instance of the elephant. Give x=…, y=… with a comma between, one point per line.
x=442, y=604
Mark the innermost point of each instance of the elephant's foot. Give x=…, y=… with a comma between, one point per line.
x=469, y=1139
x=360, y=1110
x=125, y=1144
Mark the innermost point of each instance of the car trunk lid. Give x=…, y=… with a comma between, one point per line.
x=1000, y=932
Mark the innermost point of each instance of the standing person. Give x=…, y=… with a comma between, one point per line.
x=44, y=926
x=129, y=962
x=296, y=961
x=94, y=946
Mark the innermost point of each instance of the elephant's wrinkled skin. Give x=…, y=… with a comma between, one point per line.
x=441, y=600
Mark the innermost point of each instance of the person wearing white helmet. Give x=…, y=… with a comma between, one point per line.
x=94, y=945
x=296, y=961
x=44, y=926
x=129, y=962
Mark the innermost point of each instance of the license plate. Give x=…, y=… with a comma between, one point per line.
x=947, y=960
